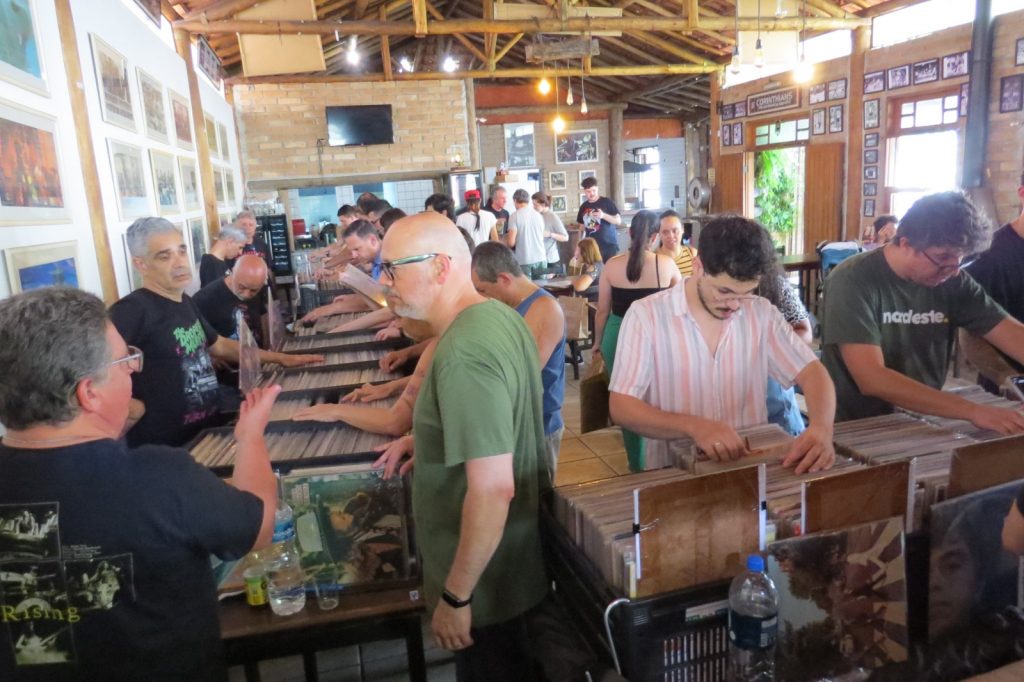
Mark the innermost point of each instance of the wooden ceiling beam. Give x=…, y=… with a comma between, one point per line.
x=220, y=10
x=385, y=49
x=434, y=12
x=827, y=8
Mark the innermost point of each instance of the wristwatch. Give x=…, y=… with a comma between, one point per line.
x=454, y=601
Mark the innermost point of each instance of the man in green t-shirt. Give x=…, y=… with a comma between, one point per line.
x=478, y=438
x=891, y=315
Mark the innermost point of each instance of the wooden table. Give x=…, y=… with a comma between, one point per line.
x=254, y=634
x=807, y=266
x=557, y=285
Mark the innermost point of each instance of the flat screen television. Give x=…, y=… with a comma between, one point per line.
x=362, y=125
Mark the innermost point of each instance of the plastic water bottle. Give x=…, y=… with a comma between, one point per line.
x=286, y=587
x=753, y=623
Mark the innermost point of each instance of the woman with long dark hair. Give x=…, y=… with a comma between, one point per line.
x=627, y=278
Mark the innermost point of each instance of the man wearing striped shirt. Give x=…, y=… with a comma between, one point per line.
x=694, y=360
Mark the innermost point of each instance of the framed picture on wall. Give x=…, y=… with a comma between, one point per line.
x=874, y=82
x=556, y=180
x=558, y=203
x=576, y=146
x=584, y=174
x=115, y=88
x=956, y=65
x=45, y=265
x=164, y=180
x=209, y=62
x=818, y=122
x=225, y=142
x=837, y=89
x=871, y=113
x=181, y=115
x=926, y=71
x=583, y=199
x=737, y=134
x=816, y=93
x=965, y=89
x=154, y=113
x=869, y=208
x=519, y=146
x=727, y=112
x=211, y=136
x=740, y=109
x=218, y=185
x=189, y=183
x=197, y=232
x=20, y=60
x=1019, y=61
x=835, y=118
x=871, y=139
x=897, y=77
x=727, y=135
x=134, y=277
x=31, y=190
x=129, y=173
x=151, y=8
x=870, y=172
x=229, y=187
x=870, y=156
x=1011, y=89
x=870, y=189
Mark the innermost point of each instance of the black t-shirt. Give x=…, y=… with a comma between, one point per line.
x=211, y=269
x=499, y=213
x=177, y=383
x=1000, y=272
x=105, y=562
x=218, y=304
x=602, y=231
x=257, y=306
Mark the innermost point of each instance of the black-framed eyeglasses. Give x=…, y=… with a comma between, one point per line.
x=133, y=359
x=388, y=266
x=959, y=264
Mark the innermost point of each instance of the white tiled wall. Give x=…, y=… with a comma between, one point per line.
x=673, y=169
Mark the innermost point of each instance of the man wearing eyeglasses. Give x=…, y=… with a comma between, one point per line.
x=890, y=317
x=146, y=519
x=478, y=436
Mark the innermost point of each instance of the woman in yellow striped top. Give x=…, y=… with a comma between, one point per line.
x=670, y=235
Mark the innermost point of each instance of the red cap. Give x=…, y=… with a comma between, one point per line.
x=471, y=194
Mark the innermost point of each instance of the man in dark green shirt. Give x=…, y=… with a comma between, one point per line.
x=479, y=438
x=891, y=315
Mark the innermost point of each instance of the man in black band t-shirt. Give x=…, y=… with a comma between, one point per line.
x=496, y=207
x=598, y=215
x=246, y=221
x=176, y=393
x=219, y=300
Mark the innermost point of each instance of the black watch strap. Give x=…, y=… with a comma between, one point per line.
x=454, y=601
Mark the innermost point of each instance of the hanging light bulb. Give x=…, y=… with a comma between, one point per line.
x=558, y=123
x=544, y=86
x=352, y=56
x=337, y=36
x=780, y=9
x=406, y=64
x=583, y=90
x=758, y=54
x=450, y=64
x=803, y=71
x=583, y=106
x=734, y=65
x=568, y=97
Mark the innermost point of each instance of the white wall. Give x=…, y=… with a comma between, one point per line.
x=673, y=168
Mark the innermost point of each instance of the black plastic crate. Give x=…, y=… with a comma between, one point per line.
x=680, y=635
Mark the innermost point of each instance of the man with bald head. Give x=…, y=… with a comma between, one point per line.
x=219, y=300
x=475, y=489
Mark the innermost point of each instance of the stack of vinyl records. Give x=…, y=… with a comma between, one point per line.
x=217, y=448
x=977, y=395
x=764, y=441
x=309, y=344
x=286, y=408
x=342, y=357
x=301, y=380
x=325, y=324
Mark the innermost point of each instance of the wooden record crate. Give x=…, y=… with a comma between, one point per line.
x=678, y=635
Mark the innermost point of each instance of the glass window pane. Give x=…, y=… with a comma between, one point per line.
x=802, y=124
x=925, y=162
x=761, y=130
x=950, y=102
x=907, y=122
x=949, y=116
x=907, y=108
x=929, y=113
x=803, y=134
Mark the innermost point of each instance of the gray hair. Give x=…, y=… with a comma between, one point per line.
x=521, y=196
x=491, y=259
x=142, y=229
x=50, y=339
x=232, y=233
x=245, y=213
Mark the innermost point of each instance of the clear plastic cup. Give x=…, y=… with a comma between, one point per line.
x=324, y=584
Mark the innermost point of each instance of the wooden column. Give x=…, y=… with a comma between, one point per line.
x=714, y=128
x=183, y=43
x=472, y=129
x=615, y=180
x=86, y=151
x=855, y=138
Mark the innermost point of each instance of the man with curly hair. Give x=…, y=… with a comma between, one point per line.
x=890, y=317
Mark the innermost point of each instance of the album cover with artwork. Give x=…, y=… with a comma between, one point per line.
x=842, y=600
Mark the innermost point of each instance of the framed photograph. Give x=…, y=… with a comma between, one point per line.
x=965, y=89
x=897, y=77
x=189, y=184
x=583, y=199
x=519, y=146
x=870, y=156
x=218, y=185
x=45, y=265
x=740, y=109
x=556, y=180
x=835, y=118
x=870, y=189
x=816, y=93
x=154, y=113
x=926, y=71
x=229, y=187
x=727, y=135
x=818, y=122
x=31, y=191
x=871, y=113
x=211, y=136
x=129, y=180
x=584, y=174
x=168, y=200
x=197, y=234
x=1019, y=61
x=115, y=88
x=182, y=117
x=837, y=89
x=956, y=65
x=151, y=8
x=1010, y=91
x=871, y=140
x=870, y=172
x=209, y=62
x=728, y=112
x=576, y=146
x=134, y=277
x=225, y=142
x=558, y=203
x=20, y=60
x=737, y=134
x=869, y=208
x=874, y=82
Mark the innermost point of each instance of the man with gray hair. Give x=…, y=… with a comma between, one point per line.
x=228, y=246
x=145, y=520
x=245, y=220
x=178, y=389
x=526, y=235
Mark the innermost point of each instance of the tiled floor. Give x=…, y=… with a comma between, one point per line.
x=587, y=457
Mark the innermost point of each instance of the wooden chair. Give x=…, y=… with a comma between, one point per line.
x=579, y=325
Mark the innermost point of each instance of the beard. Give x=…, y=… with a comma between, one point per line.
x=717, y=313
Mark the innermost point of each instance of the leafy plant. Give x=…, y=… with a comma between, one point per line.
x=775, y=192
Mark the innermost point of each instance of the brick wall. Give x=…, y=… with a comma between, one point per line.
x=279, y=125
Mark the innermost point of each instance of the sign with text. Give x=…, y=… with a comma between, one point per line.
x=777, y=100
